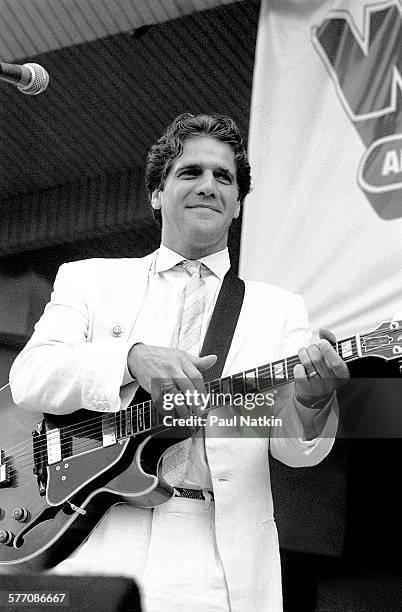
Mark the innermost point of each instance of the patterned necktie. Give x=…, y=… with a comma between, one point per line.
x=193, y=309
x=175, y=458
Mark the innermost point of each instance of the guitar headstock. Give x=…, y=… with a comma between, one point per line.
x=385, y=341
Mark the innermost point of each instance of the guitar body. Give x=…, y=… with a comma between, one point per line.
x=77, y=491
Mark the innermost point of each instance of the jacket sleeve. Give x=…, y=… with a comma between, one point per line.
x=61, y=370
x=287, y=440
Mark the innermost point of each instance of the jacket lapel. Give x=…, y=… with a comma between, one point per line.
x=135, y=289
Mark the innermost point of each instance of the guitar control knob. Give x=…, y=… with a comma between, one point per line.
x=20, y=514
x=5, y=536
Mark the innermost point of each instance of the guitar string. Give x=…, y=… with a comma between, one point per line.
x=141, y=411
x=78, y=446
x=82, y=428
x=81, y=445
x=259, y=371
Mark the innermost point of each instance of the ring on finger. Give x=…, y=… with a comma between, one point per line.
x=311, y=374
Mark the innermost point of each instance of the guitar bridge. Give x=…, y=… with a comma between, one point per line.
x=40, y=456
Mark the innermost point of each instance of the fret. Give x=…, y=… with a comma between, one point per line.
x=346, y=348
x=291, y=362
x=358, y=346
x=238, y=385
x=279, y=372
x=226, y=385
x=122, y=424
x=214, y=388
x=135, y=419
x=143, y=417
x=251, y=381
x=148, y=413
x=119, y=425
x=264, y=377
x=140, y=416
x=129, y=421
x=126, y=428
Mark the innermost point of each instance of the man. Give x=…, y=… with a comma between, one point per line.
x=114, y=324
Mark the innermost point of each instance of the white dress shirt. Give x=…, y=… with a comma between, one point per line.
x=158, y=324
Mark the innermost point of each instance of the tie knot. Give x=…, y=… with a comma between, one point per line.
x=193, y=267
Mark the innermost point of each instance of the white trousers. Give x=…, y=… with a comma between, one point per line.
x=171, y=552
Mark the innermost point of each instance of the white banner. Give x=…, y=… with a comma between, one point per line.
x=325, y=215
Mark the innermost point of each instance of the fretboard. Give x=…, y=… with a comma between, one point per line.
x=143, y=417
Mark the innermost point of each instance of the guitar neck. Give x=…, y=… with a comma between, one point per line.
x=276, y=373
x=139, y=418
x=385, y=341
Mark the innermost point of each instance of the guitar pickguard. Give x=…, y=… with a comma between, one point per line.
x=71, y=474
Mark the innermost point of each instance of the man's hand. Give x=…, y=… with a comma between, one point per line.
x=321, y=369
x=176, y=371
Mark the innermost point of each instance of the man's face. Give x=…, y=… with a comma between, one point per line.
x=199, y=199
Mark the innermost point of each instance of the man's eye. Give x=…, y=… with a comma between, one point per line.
x=225, y=178
x=188, y=173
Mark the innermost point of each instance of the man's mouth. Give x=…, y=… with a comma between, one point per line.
x=204, y=205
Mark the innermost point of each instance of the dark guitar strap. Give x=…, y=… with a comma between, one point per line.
x=223, y=323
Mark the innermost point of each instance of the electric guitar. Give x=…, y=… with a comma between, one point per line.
x=56, y=485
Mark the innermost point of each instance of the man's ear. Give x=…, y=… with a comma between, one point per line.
x=237, y=209
x=156, y=199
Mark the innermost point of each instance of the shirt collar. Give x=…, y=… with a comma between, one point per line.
x=218, y=263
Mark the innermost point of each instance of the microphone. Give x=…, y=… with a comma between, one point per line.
x=31, y=79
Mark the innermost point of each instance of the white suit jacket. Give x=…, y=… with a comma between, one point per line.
x=75, y=360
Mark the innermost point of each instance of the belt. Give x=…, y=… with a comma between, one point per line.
x=193, y=493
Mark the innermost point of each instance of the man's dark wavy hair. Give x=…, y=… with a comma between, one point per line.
x=170, y=146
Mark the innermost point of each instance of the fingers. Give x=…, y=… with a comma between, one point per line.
x=327, y=334
x=188, y=382
x=335, y=364
x=321, y=369
x=311, y=380
x=204, y=363
x=323, y=359
x=312, y=360
x=166, y=372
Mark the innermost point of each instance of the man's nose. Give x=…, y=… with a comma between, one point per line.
x=206, y=185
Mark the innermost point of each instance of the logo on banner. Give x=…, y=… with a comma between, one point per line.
x=366, y=67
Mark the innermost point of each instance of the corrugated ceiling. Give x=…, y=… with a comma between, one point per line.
x=30, y=27
x=107, y=102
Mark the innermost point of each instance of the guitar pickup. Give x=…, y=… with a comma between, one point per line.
x=4, y=472
x=53, y=446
